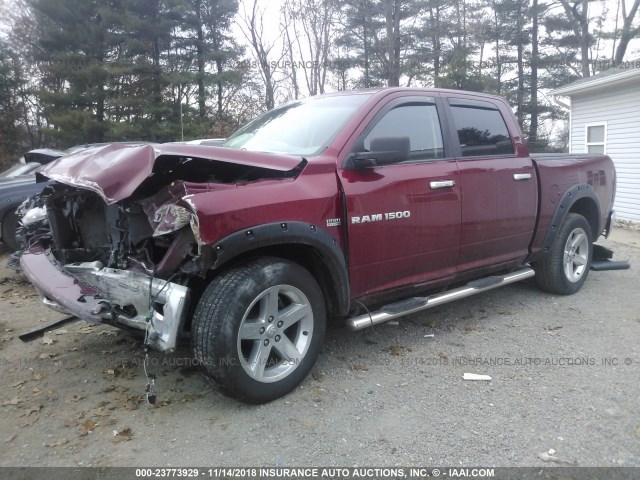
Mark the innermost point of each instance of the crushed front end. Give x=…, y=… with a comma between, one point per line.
x=116, y=237
x=111, y=263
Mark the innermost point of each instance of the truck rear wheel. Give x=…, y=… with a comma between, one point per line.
x=566, y=266
x=258, y=328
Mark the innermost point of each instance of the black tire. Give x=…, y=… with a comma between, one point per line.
x=245, y=296
x=9, y=226
x=554, y=271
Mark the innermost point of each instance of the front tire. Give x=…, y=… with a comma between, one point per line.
x=10, y=224
x=566, y=266
x=258, y=328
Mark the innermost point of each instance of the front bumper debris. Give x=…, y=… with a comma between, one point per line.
x=120, y=297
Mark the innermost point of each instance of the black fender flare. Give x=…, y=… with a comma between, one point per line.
x=563, y=208
x=288, y=233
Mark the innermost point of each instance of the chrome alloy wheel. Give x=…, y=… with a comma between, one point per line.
x=275, y=333
x=576, y=255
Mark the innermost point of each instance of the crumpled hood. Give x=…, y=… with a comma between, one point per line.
x=115, y=171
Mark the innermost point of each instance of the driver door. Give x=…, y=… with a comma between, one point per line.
x=403, y=218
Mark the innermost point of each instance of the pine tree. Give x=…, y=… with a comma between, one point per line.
x=72, y=50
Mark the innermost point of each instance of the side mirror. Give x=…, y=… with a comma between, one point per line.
x=384, y=151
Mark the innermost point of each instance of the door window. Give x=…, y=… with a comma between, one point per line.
x=481, y=132
x=418, y=122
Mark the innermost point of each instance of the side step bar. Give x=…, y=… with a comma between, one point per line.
x=601, y=260
x=417, y=304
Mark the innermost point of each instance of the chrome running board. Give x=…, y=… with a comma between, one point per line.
x=417, y=304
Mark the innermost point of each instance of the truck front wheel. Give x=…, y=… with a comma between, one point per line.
x=566, y=266
x=9, y=226
x=258, y=328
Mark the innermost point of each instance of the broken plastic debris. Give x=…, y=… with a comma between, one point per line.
x=393, y=322
x=476, y=376
x=430, y=335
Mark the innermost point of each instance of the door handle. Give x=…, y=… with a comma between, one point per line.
x=441, y=184
x=519, y=177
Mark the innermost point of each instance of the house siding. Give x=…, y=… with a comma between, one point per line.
x=620, y=109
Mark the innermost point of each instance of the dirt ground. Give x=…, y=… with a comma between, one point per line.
x=565, y=389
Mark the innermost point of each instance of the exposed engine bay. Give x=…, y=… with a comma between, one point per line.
x=78, y=226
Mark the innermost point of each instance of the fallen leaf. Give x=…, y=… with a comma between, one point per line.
x=78, y=364
x=34, y=409
x=18, y=384
x=162, y=403
x=189, y=398
x=397, y=350
x=132, y=402
x=11, y=438
x=44, y=356
x=359, y=368
x=30, y=422
x=60, y=332
x=47, y=341
x=37, y=376
x=13, y=401
x=58, y=443
x=123, y=435
x=87, y=427
x=76, y=398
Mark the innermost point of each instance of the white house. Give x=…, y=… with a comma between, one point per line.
x=605, y=118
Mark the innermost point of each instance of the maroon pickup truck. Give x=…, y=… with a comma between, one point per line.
x=363, y=206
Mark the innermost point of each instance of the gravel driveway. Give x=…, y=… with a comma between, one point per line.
x=565, y=389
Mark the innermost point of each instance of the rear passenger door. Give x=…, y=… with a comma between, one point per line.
x=499, y=193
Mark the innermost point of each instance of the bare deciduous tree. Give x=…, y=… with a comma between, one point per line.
x=264, y=50
x=628, y=31
x=313, y=23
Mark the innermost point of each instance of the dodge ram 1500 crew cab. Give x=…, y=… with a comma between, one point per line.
x=363, y=206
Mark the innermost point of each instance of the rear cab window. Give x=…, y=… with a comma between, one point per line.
x=481, y=129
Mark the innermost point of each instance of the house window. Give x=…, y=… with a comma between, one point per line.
x=596, y=138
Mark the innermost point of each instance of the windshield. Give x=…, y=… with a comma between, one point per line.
x=302, y=128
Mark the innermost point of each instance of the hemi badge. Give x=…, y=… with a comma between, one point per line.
x=333, y=222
